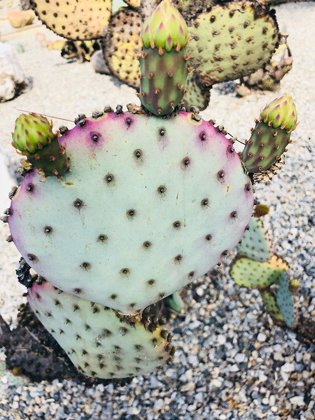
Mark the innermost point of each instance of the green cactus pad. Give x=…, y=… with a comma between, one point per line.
x=255, y=244
x=163, y=64
x=255, y=274
x=163, y=78
x=197, y=95
x=272, y=308
x=231, y=41
x=150, y=205
x=122, y=46
x=95, y=338
x=285, y=300
x=264, y=148
x=83, y=20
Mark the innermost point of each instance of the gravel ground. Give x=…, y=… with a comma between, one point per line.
x=231, y=362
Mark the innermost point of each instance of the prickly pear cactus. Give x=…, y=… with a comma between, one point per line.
x=96, y=340
x=145, y=229
x=148, y=205
x=75, y=20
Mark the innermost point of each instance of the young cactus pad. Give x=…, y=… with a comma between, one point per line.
x=75, y=19
x=98, y=343
x=33, y=137
x=150, y=204
x=163, y=60
x=271, y=135
x=255, y=243
x=255, y=274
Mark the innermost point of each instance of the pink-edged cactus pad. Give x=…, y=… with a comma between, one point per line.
x=150, y=204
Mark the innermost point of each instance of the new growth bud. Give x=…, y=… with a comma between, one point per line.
x=281, y=113
x=31, y=133
x=165, y=28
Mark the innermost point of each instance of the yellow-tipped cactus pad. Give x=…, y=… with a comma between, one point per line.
x=255, y=274
x=123, y=44
x=76, y=20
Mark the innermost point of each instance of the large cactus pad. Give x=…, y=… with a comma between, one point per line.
x=75, y=19
x=150, y=204
x=96, y=340
x=232, y=41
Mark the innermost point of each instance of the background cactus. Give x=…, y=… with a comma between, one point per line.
x=89, y=21
x=245, y=37
x=250, y=271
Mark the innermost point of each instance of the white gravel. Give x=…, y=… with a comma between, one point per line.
x=231, y=362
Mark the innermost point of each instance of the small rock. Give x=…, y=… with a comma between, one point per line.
x=19, y=19
x=297, y=400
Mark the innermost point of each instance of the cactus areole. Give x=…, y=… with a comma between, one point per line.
x=163, y=60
